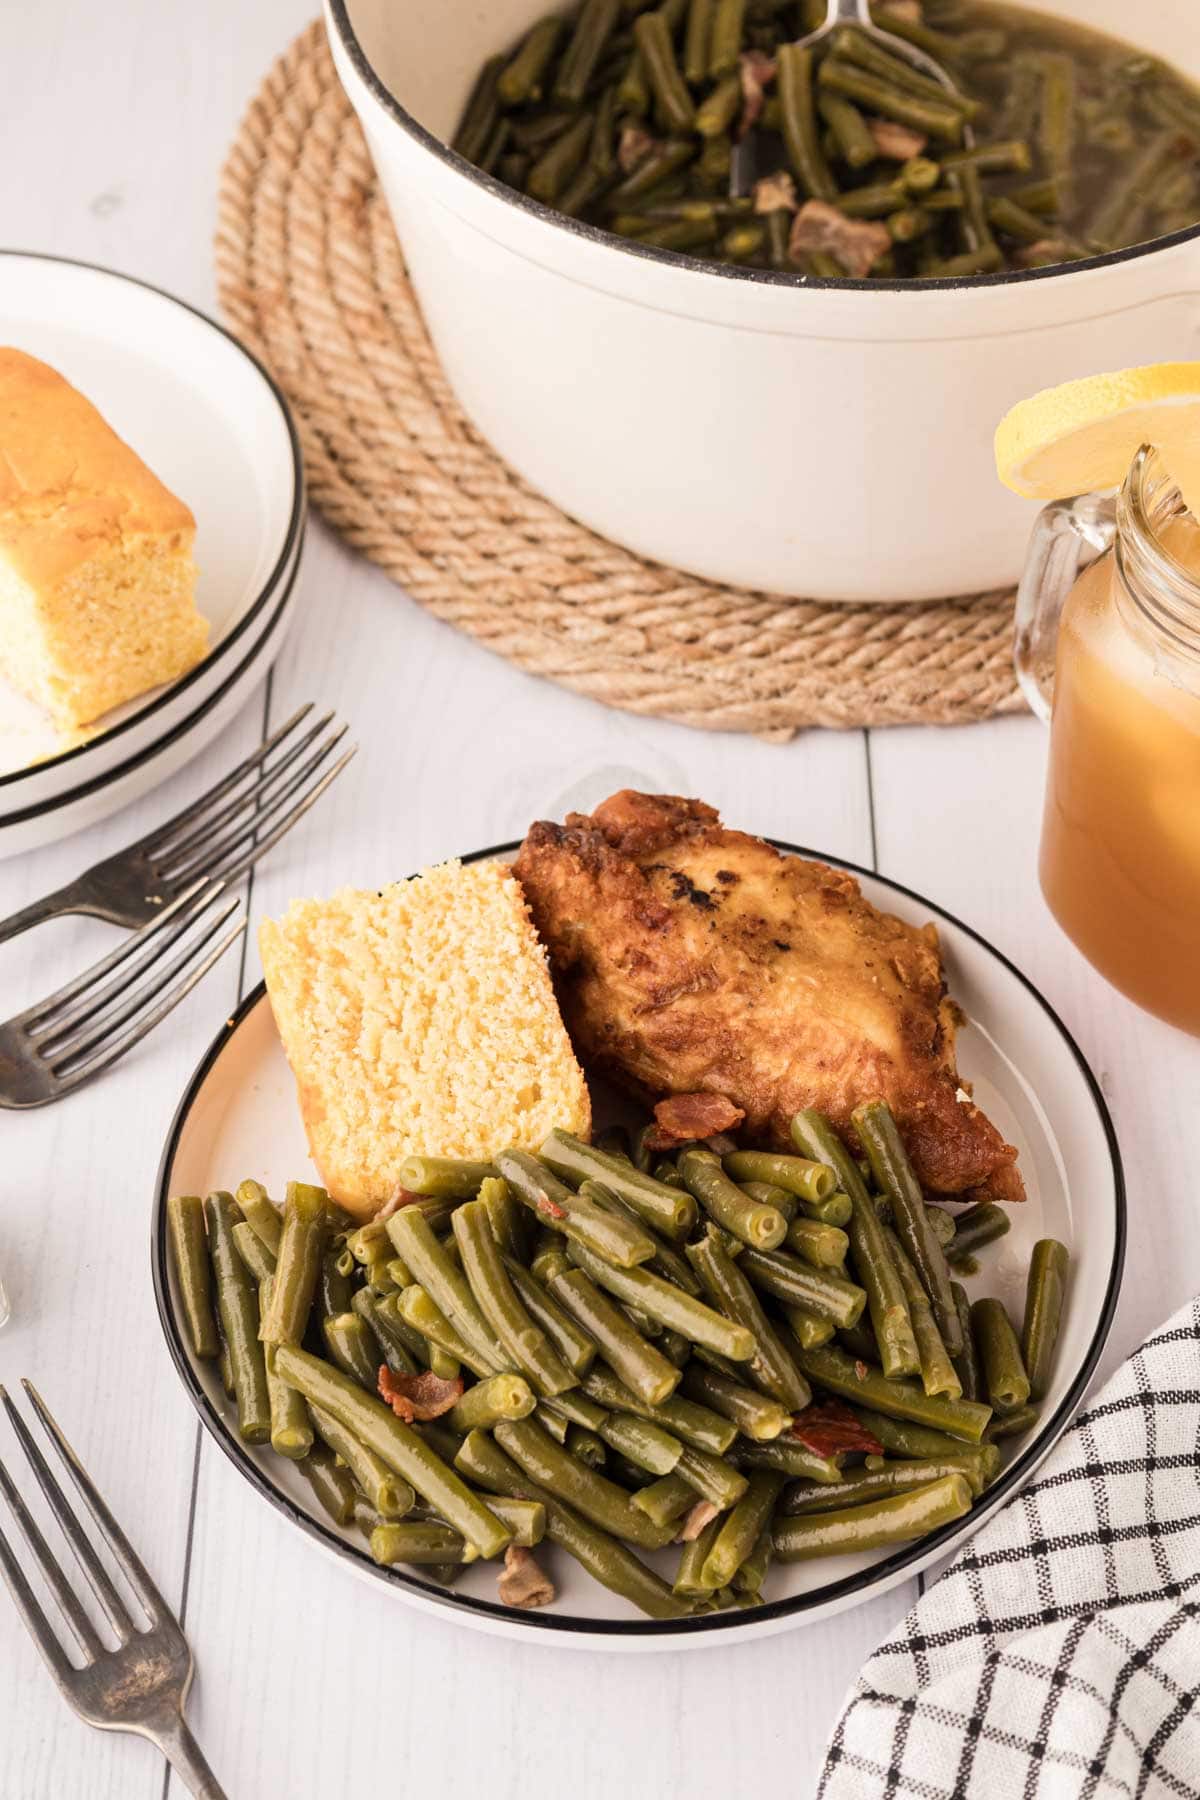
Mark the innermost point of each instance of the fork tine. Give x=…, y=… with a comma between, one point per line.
x=128, y=1561
x=235, y=831
x=162, y=833
x=37, y=1624
x=36, y=1015
x=82, y=1629
x=143, y=1026
x=93, y=1001
x=93, y=1028
x=231, y=871
x=168, y=855
x=114, y=1608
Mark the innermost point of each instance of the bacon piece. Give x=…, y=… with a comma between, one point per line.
x=774, y=193
x=694, y=1521
x=896, y=141
x=633, y=146
x=829, y=1428
x=855, y=243
x=683, y=1118
x=417, y=1397
x=756, y=71
x=549, y=1207
x=523, y=1582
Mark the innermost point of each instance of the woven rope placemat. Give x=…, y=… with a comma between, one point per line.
x=312, y=278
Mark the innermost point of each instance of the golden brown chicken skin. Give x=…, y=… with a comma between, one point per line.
x=689, y=958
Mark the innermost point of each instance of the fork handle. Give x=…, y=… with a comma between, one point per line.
x=188, y=1761
x=69, y=899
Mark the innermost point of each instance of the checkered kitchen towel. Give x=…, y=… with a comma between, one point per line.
x=1059, y=1655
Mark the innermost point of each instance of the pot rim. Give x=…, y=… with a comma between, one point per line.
x=338, y=19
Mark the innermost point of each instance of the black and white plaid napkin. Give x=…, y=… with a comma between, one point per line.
x=1059, y=1655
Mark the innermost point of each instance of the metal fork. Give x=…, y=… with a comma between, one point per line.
x=142, y=1685
x=218, y=836
x=64, y=1041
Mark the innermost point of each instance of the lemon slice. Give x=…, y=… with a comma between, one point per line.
x=1082, y=436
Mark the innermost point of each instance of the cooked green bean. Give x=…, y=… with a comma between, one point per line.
x=771, y=1366
x=400, y=1447
x=225, y=1370
x=667, y=1261
x=497, y=1299
x=817, y=1141
x=741, y=1529
x=189, y=1249
x=755, y=1414
x=494, y=1397
x=697, y=1425
x=647, y=1446
x=831, y=1368
x=479, y=118
x=665, y=1500
x=413, y=1321
x=560, y=161
x=594, y=25
x=389, y=1494
x=444, y=1282
x=934, y=117
x=330, y=1483
x=853, y=136
x=291, y=1428
x=573, y=1344
x=894, y=1177
x=1056, y=116
x=1005, y=1381
x=966, y=1363
x=335, y=1289
x=895, y=1520
x=526, y=1519
x=594, y=1495
x=604, y=1234
x=668, y=1210
x=636, y=1362
x=444, y=1177
x=823, y=1246
x=697, y=41
x=906, y=1438
x=766, y=1192
x=819, y=1291
x=690, y=1582
x=510, y=1223
x=254, y=1253
x=584, y=1444
x=352, y=1345
x=420, y=1541
x=869, y=54
x=797, y=98
x=712, y=1477
x=857, y=1485
x=977, y=1226
x=891, y=1321
x=522, y=81
x=787, y=1456
x=1010, y=1424
x=727, y=1203
x=668, y=1305
x=1045, y=1291
x=237, y=1310
x=258, y=1212
x=753, y=1572
x=725, y=37
x=938, y=1374
x=805, y=1178
x=809, y=1330
x=653, y=39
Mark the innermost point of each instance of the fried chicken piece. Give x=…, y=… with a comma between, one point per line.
x=689, y=959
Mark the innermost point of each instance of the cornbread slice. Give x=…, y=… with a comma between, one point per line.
x=419, y=1021
x=97, y=581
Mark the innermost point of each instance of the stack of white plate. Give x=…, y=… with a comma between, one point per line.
x=211, y=423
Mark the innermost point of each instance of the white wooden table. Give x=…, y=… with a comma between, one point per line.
x=113, y=123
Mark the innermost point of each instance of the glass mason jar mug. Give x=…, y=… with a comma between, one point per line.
x=1108, y=649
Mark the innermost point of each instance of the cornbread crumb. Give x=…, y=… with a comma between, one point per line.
x=97, y=581
x=419, y=1021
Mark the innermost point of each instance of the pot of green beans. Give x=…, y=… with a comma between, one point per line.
x=787, y=382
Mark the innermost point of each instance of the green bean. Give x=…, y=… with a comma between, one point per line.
x=225, y=1370
x=690, y=1582
x=699, y=1425
x=666, y=1304
x=1010, y=1424
x=420, y=1541
x=934, y=118
x=400, y=1347
x=254, y=1253
x=794, y=78
x=652, y=36
x=755, y=1414
x=1005, y=1381
x=559, y=1428
x=585, y=1445
x=765, y=1192
x=479, y=118
x=868, y=54
x=400, y=1447
x=697, y=41
x=937, y=44
x=894, y=1177
x=666, y=1169
x=741, y=1529
x=259, y=1214
x=938, y=1374
x=444, y=1177
x=1013, y=154
x=905, y=1438
x=857, y=1485
x=1044, y=1293
x=189, y=1249
x=816, y=1140
x=984, y=261
x=389, y=1494
x=822, y=1246
x=418, y=1311
x=605, y=1559
x=771, y=1367
x=832, y=1369
x=667, y=1209
x=750, y=1577
x=633, y=90
x=495, y=1397
x=941, y=1223
x=635, y=1361
x=665, y=1500
x=787, y=1456
x=717, y=112
x=560, y=161
x=441, y=1363
x=301, y=1247
x=330, y=1483
x=594, y=25
x=804, y=1177
x=919, y=175
x=819, y=1291
x=852, y=134
x=445, y=1284
x=351, y=1343
x=531, y=135
x=712, y=1477
x=667, y=1261
x=977, y=1226
x=835, y=1210
x=647, y=1446
x=1056, y=117
x=966, y=1363
x=890, y=1318
x=595, y=1496
x=870, y=1527
x=335, y=1289
x=579, y=1409
x=727, y=1203
x=1117, y=218
x=943, y=200
x=572, y=1343
x=725, y=37
x=713, y=165
x=526, y=1519
x=501, y=1306
x=237, y=1310
x=522, y=81
x=291, y=1429
x=809, y=1330
x=873, y=202
x=604, y=1234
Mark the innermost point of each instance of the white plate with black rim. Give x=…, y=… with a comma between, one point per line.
x=209, y=420
x=239, y=1118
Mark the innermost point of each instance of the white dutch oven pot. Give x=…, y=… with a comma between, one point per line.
x=780, y=432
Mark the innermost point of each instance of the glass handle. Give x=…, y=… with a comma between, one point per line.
x=1068, y=536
